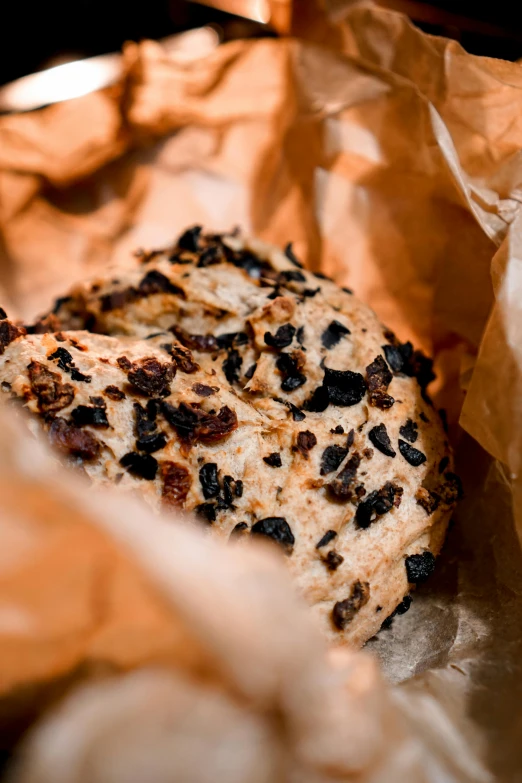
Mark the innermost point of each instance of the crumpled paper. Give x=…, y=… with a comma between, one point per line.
x=392, y=160
x=137, y=648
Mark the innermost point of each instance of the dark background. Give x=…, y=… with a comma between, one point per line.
x=37, y=34
x=33, y=35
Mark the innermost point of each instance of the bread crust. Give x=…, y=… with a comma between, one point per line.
x=220, y=377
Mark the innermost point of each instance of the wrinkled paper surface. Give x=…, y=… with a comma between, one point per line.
x=393, y=161
x=138, y=648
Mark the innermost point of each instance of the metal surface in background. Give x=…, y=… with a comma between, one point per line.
x=74, y=79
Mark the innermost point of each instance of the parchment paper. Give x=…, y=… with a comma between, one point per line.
x=393, y=163
x=138, y=648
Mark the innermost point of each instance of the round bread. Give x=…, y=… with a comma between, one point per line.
x=221, y=377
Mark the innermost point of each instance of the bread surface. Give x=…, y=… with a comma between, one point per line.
x=220, y=377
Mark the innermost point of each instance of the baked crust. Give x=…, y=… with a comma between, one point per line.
x=220, y=377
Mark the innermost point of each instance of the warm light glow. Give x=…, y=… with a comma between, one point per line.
x=258, y=10
x=262, y=11
x=70, y=80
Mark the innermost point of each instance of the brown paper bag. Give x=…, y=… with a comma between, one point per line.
x=392, y=162
x=134, y=647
